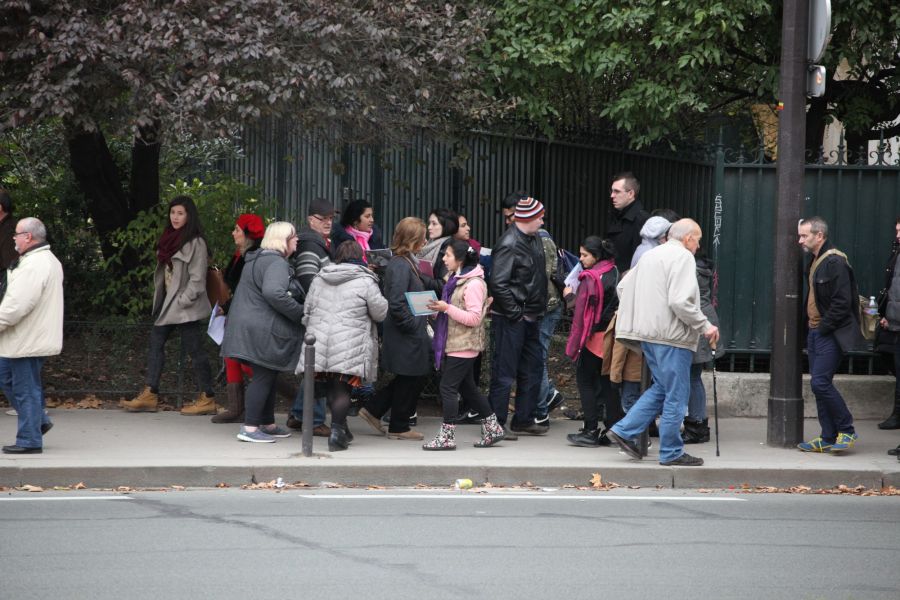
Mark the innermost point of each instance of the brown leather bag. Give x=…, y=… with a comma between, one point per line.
x=216, y=288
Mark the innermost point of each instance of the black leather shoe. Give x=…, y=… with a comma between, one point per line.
x=294, y=423
x=892, y=422
x=21, y=450
x=337, y=441
x=685, y=460
x=531, y=429
x=629, y=447
x=895, y=452
x=585, y=439
x=46, y=427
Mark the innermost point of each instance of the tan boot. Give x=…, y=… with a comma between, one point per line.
x=146, y=401
x=204, y=405
x=235, y=412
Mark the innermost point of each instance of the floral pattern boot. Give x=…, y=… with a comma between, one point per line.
x=444, y=440
x=491, y=432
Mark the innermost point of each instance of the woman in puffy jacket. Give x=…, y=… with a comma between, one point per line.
x=595, y=305
x=264, y=329
x=342, y=307
x=180, y=304
x=458, y=341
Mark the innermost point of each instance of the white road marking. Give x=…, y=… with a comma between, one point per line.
x=46, y=498
x=505, y=496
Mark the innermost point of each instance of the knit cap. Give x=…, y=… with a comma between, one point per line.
x=529, y=209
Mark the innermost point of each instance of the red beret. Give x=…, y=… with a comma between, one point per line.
x=253, y=225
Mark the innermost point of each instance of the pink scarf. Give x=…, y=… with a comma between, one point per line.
x=588, y=306
x=362, y=238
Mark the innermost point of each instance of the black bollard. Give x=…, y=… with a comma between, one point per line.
x=309, y=374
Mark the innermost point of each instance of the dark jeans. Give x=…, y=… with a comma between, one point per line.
x=401, y=396
x=259, y=399
x=319, y=391
x=593, y=388
x=518, y=355
x=824, y=358
x=192, y=337
x=897, y=375
x=457, y=379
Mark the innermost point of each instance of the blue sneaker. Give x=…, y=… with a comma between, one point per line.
x=815, y=445
x=258, y=436
x=276, y=431
x=844, y=441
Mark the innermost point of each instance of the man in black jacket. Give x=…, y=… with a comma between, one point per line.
x=627, y=218
x=833, y=319
x=519, y=288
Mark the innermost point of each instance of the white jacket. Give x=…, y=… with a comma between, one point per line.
x=31, y=314
x=659, y=299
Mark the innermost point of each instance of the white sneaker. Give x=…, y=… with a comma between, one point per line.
x=12, y=412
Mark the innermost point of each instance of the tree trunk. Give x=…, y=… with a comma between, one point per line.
x=145, y=169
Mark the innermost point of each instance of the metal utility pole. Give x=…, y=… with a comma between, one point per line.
x=785, y=425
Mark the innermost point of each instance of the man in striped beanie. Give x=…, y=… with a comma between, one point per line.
x=519, y=288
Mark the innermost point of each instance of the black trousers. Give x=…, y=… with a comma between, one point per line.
x=259, y=399
x=458, y=379
x=192, y=336
x=401, y=396
x=590, y=387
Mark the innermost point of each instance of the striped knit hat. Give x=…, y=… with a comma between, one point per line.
x=529, y=209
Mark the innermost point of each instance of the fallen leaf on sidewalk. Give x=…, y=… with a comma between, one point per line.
x=90, y=401
x=79, y=486
x=375, y=487
x=179, y=488
x=597, y=480
x=30, y=488
x=222, y=484
x=124, y=488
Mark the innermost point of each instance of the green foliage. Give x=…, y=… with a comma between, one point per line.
x=219, y=201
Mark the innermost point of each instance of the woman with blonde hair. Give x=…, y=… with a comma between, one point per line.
x=406, y=345
x=264, y=330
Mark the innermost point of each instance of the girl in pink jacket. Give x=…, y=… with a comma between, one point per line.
x=458, y=340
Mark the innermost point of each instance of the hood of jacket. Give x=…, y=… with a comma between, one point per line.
x=344, y=272
x=654, y=228
x=477, y=271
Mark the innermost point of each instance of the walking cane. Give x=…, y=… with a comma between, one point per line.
x=715, y=397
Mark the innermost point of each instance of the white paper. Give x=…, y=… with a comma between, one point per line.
x=572, y=278
x=216, y=328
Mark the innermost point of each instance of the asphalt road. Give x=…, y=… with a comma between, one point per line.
x=439, y=544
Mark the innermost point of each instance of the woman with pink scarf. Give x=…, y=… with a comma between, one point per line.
x=357, y=224
x=595, y=304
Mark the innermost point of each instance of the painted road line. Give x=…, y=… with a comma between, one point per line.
x=503, y=496
x=48, y=498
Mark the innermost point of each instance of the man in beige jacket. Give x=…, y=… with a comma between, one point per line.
x=659, y=307
x=31, y=329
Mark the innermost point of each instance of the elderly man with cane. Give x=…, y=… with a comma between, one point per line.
x=659, y=307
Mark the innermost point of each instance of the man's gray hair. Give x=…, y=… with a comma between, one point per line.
x=816, y=225
x=34, y=227
x=681, y=228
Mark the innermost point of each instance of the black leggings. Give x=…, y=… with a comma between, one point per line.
x=338, y=394
x=457, y=379
x=259, y=407
x=594, y=389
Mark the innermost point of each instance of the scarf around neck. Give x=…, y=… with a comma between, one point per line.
x=170, y=242
x=442, y=321
x=362, y=238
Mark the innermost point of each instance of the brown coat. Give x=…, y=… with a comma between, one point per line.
x=620, y=363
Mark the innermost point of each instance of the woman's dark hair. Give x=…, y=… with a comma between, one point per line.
x=601, y=249
x=666, y=213
x=463, y=252
x=347, y=251
x=353, y=212
x=448, y=219
x=192, y=228
x=6, y=202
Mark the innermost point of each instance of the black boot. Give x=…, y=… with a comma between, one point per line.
x=695, y=432
x=893, y=421
x=586, y=438
x=338, y=439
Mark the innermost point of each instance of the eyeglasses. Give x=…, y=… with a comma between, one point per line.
x=18, y=233
x=323, y=219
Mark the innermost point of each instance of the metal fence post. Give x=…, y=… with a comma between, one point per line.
x=309, y=374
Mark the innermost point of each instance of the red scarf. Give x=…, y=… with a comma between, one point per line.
x=169, y=243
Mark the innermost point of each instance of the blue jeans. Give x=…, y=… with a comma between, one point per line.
x=671, y=370
x=631, y=391
x=697, y=403
x=824, y=358
x=318, y=403
x=517, y=359
x=20, y=381
x=548, y=388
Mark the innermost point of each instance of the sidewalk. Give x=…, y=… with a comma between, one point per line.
x=110, y=448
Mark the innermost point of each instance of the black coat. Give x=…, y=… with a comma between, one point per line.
x=518, y=275
x=836, y=299
x=406, y=348
x=624, y=231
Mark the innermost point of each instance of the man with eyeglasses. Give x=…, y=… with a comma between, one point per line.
x=31, y=329
x=627, y=217
x=313, y=253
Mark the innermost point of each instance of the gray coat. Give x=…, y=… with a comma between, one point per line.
x=407, y=347
x=704, y=279
x=263, y=324
x=342, y=307
x=185, y=299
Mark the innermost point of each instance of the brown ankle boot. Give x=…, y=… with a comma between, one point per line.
x=235, y=412
x=146, y=401
x=204, y=405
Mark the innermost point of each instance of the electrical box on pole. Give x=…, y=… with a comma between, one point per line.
x=819, y=36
